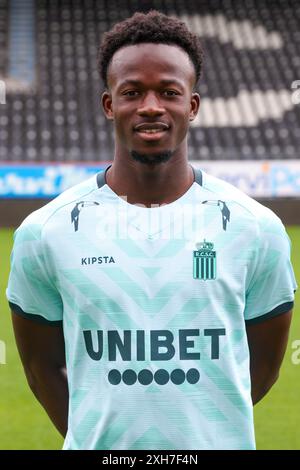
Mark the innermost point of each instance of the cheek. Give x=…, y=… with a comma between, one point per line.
x=122, y=118
x=182, y=124
x=122, y=127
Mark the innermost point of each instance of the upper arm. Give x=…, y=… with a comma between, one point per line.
x=270, y=282
x=267, y=342
x=39, y=345
x=31, y=285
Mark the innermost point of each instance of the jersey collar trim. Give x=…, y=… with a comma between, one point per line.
x=101, y=177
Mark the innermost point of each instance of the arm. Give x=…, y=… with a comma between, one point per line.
x=267, y=344
x=42, y=351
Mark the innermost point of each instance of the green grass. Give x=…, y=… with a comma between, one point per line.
x=24, y=424
x=277, y=415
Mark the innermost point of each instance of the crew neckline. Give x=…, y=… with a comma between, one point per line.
x=102, y=182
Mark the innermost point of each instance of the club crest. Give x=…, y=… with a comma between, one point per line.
x=205, y=261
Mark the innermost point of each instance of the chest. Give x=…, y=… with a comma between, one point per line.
x=171, y=264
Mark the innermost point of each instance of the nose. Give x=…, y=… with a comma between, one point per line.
x=150, y=106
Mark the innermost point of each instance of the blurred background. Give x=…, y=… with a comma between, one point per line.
x=53, y=134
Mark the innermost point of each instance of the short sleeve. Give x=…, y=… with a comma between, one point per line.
x=272, y=285
x=31, y=288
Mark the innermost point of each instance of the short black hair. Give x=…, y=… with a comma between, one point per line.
x=151, y=27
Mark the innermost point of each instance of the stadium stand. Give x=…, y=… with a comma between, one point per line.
x=251, y=59
x=3, y=35
x=22, y=41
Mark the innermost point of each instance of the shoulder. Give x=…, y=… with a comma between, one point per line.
x=247, y=206
x=35, y=222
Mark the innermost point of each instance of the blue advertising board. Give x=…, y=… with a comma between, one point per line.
x=278, y=178
x=42, y=181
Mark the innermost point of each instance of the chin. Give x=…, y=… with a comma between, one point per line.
x=152, y=158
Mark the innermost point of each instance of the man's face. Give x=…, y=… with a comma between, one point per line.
x=150, y=99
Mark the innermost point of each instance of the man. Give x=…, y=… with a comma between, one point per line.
x=171, y=330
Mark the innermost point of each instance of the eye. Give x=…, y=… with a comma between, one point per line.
x=171, y=93
x=130, y=93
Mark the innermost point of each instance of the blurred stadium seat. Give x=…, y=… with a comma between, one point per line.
x=251, y=59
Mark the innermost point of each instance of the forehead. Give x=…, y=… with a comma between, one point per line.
x=143, y=59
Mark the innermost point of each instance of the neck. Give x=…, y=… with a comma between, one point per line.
x=144, y=184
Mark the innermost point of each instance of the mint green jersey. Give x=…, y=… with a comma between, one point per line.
x=154, y=303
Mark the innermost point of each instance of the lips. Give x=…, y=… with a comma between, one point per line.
x=151, y=128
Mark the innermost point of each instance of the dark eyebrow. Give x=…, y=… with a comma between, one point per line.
x=171, y=82
x=164, y=82
x=129, y=82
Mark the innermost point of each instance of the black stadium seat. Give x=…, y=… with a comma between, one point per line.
x=252, y=57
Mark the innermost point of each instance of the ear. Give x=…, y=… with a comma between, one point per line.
x=195, y=104
x=107, y=106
